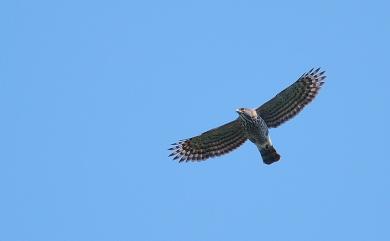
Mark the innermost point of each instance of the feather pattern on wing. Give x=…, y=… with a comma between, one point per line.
x=215, y=142
x=293, y=99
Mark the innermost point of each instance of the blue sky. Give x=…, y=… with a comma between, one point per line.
x=92, y=94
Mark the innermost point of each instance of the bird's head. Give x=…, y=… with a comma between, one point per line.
x=246, y=113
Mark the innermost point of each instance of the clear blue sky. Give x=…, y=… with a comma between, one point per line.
x=92, y=94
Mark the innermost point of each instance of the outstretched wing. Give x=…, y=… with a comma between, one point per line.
x=214, y=142
x=291, y=101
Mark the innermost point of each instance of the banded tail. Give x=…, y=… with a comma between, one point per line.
x=269, y=154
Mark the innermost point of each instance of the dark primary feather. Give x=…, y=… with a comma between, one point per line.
x=214, y=142
x=293, y=99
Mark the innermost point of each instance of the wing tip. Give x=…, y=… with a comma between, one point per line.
x=314, y=76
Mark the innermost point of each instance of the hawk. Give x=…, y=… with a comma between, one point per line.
x=253, y=124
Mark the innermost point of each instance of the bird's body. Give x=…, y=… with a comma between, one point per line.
x=253, y=124
x=256, y=130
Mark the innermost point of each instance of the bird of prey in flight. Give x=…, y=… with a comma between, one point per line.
x=253, y=124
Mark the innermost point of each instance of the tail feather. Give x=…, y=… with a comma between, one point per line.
x=269, y=155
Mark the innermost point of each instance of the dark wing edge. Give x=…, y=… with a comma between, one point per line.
x=293, y=99
x=215, y=142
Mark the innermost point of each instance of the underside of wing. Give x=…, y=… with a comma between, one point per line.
x=215, y=142
x=293, y=99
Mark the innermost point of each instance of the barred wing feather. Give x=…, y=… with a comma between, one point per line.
x=215, y=142
x=293, y=99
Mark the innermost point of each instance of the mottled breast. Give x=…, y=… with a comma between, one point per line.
x=256, y=129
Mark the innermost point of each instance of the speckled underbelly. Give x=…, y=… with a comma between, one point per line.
x=257, y=133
